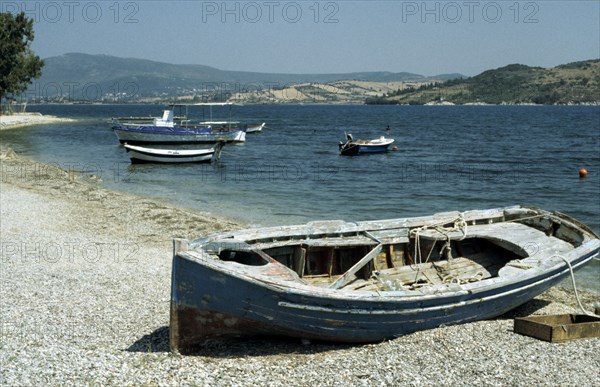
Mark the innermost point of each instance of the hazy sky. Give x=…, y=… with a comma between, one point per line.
x=424, y=37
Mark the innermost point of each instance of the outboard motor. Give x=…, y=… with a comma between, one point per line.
x=349, y=139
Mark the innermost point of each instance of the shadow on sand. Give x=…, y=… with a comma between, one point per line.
x=527, y=309
x=158, y=341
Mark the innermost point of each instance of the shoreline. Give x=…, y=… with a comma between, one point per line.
x=85, y=290
x=22, y=120
x=106, y=205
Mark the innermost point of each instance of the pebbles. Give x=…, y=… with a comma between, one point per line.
x=84, y=294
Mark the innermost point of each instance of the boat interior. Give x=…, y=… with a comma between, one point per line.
x=396, y=259
x=395, y=267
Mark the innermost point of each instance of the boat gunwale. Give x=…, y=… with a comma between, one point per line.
x=195, y=251
x=340, y=226
x=432, y=292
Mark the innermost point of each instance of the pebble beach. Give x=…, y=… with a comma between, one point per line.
x=84, y=299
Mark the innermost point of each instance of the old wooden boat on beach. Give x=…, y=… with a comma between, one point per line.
x=355, y=147
x=368, y=281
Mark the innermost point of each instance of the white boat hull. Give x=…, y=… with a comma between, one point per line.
x=139, y=155
x=254, y=128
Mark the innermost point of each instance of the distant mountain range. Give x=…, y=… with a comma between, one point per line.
x=104, y=78
x=573, y=83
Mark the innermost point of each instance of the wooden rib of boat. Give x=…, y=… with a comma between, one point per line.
x=369, y=281
x=138, y=154
x=355, y=147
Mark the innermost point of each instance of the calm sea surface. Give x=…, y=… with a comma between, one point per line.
x=448, y=158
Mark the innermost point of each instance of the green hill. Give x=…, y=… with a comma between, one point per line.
x=573, y=83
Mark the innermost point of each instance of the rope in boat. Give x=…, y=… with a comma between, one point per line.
x=459, y=225
x=575, y=287
x=453, y=279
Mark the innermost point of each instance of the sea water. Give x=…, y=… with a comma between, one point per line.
x=447, y=158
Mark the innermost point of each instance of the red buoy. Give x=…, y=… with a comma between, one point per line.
x=582, y=173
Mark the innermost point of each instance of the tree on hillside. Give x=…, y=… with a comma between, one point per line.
x=18, y=63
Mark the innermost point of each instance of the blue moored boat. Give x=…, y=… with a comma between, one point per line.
x=369, y=281
x=355, y=147
x=164, y=130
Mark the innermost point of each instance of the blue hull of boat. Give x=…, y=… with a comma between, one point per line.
x=175, y=135
x=207, y=303
x=372, y=148
x=357, y=149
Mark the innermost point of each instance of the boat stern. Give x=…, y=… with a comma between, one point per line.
x=205, y=304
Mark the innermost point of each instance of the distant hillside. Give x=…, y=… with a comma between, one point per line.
x=573, y=83
x=105, y=78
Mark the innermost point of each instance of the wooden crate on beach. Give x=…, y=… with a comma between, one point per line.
x=558, y=328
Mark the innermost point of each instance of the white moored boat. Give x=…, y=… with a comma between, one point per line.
x=355, y=147
x=139, y=154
